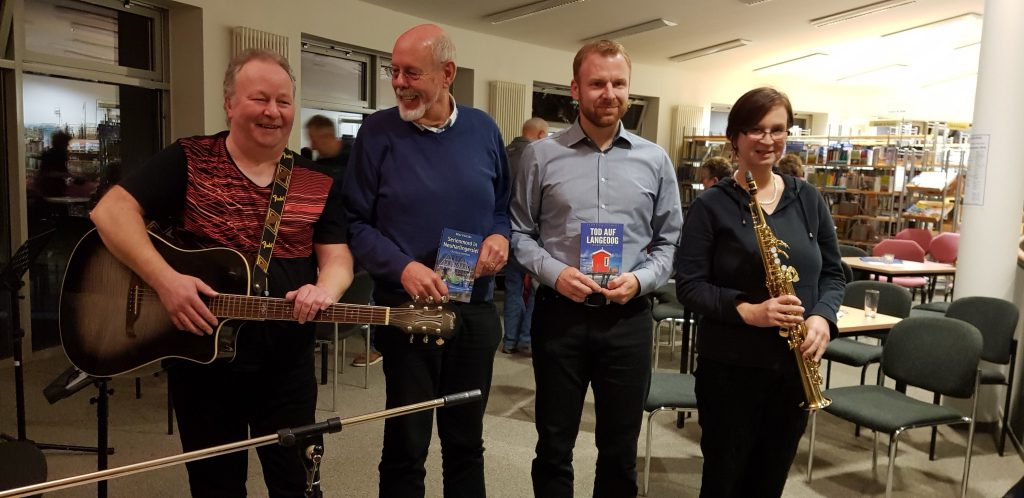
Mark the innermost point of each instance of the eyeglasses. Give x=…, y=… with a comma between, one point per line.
x=758, y=133
x=393, y=72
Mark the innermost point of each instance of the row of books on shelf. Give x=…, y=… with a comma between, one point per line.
x=891, y=181
x=848, y=154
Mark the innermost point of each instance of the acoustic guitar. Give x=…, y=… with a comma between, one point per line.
x=111, y=322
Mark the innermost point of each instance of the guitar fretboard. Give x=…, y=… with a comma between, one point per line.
x=268, y=308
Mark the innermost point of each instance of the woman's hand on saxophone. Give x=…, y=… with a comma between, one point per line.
x=817, y=337
x=775, y=312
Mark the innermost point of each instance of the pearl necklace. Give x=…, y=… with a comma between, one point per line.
x=775, y=190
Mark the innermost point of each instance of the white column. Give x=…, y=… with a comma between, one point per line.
x=987, y=264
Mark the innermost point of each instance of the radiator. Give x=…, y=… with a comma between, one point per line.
x=243, y=38
x=686, y=120
x=511, y=105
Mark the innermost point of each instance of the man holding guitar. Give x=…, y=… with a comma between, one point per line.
x=240, y=189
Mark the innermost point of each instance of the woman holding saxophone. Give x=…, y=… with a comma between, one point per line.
x=750, y=386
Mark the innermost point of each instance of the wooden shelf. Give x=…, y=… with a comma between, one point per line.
x=843, y=190
x=863, y=217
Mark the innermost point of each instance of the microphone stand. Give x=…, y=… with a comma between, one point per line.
x=284, y=437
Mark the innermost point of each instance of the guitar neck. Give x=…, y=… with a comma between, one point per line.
x=270, y=308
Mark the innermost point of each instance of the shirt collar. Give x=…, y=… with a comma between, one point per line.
x=447, y=124
x=575, y=135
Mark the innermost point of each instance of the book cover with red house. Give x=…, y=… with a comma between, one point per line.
x=601, y=250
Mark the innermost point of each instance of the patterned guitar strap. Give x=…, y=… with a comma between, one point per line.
x=260, y=285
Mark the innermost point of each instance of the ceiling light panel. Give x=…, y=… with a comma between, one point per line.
x=713, y=49
x=633, y=30
x=863, y=10
x=753, y=2
x=880, y=75
x=802, y=64
x=527, y=10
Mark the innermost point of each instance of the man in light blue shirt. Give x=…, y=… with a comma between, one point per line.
x=583, y=332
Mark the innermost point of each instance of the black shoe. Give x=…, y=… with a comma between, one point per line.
x=507, y=350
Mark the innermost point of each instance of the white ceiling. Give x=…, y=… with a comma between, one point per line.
x=779, y=30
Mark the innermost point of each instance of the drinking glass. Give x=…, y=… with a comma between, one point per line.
x=870, y=303
x=889, y=258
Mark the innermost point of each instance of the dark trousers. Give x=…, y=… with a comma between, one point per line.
x=417, y=371
x=751, y=423
x=609, y=348
x=221, y=403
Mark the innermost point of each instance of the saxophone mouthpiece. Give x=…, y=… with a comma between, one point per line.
x=751, y=184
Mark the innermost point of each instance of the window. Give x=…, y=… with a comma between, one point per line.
x=334, y=78
x=102, y=36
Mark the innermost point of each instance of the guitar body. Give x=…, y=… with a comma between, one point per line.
x=111, y=322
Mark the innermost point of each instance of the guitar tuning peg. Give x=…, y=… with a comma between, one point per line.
x=425, y=339
x=439, y=341
x=408, y=328
x=437, y=330
x=410, y=339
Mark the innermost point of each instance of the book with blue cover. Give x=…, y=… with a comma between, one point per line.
x=601, y=251
x=456, y=260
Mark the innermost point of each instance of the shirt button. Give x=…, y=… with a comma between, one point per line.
x=604, y=179
x=602, y=206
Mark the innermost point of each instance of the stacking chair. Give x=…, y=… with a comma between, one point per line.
x=906, y=250
x=668, y=392
x=893, y=300
x=360, y=292
x=666, y=308
x=21, y=464
x=937, y=354
x=922, y=236
x=856, y=252
x=944, y=249
x=996, y=319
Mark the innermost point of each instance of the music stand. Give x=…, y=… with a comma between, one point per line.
x=11, y=280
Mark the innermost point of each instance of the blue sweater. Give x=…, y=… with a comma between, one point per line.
x=405, y=185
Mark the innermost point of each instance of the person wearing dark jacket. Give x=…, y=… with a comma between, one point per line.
x=748, y=387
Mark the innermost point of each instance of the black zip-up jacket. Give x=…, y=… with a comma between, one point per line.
x=718, y=264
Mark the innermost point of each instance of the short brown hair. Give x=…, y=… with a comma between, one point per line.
x=751, y=107
x=320, y=122
x=717, y=167
x=608, y=48
x=790, y=164
x=249, y=55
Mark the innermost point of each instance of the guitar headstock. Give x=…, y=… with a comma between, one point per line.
x=423, y=319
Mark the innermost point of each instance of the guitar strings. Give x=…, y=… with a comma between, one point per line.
x=252, y=304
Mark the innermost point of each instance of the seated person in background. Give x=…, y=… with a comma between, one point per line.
x=791, y=165
x=714, y=169
x=52, y=179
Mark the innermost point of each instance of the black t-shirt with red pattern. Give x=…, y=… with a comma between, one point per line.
x=196, y=184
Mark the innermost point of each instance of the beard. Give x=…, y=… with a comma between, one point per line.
x=603, y=118
x=410, y=115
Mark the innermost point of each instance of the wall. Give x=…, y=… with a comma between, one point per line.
x=494, y=58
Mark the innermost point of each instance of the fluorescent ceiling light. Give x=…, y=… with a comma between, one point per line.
x=753, y=2
x=878, y=74
x=950, y=79
x=969, y=19
x=864, y=10
x=792, y=64
x=633, y=30
x=527, y=10
x=714, y=49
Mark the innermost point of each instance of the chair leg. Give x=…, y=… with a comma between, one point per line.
x=874, y=451
x=936, y=399
x=334, y=390
x=863, y=374
x=810, y=449
x=647, y=456
x=671, y=337
x=656, y=345
x=894, y=441
x=323, y=364
x=1009, y=391
x=366, y=371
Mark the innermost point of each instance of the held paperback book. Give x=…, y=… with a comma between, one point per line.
x=456, y=259
x=601, y=251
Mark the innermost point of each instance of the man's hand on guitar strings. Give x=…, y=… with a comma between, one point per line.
x=180, y=296
x=309, y=300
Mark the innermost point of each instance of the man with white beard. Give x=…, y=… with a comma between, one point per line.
x=417, y=169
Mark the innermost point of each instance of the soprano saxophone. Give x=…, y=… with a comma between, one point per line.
x=779, y=278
